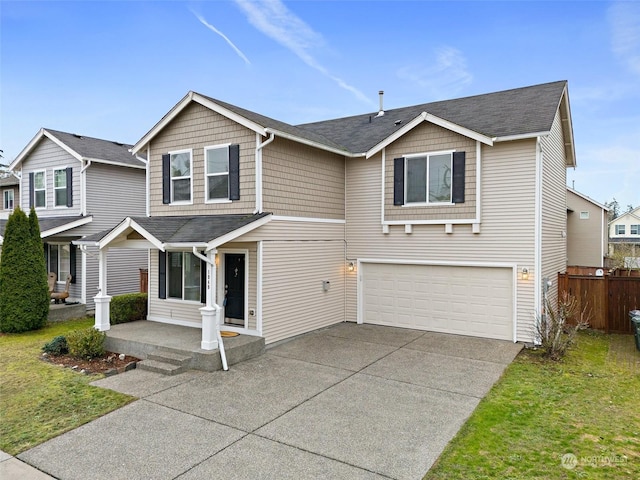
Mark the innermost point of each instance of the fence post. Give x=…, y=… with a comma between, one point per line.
x=607, y=320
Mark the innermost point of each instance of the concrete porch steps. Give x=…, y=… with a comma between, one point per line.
x=166, y=362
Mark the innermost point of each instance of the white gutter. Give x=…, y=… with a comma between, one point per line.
x=210, y=304
x=259, y=147
x=304, y=141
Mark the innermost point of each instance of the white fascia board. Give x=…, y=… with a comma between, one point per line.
x=310, y=143
x=177, y=108
x=187, y=246
x=65, y=227
x=567, y=128
x=588, y=199
x=521, y=136
x=116, y=164
x=216, y=242
x=459, y=221
x=245, y=122
x=285, y=218
x=125, y=225
x=428, y=117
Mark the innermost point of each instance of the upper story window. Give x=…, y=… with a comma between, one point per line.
x=584, y=215
x=634, y=230
x=177, y=173
x=8, y=199
x=39, y=189
x=222, y=172
x=60, y=187
x=620, y=229
x=428, y=178
x=217, y=172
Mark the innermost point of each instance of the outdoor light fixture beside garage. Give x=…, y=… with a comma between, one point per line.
x=525, y=273
x=351, y=266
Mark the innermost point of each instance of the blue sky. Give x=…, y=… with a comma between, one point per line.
x=112, y=69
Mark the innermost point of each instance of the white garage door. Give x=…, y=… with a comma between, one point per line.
x=476, y=301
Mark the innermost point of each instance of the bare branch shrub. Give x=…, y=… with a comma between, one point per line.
x=556, y=329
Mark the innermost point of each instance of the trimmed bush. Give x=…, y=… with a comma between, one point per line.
x=24, y=293
x=128, y=308
x=57, y=346
x=86, y=343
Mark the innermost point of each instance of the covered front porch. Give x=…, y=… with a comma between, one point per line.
x=147, y=340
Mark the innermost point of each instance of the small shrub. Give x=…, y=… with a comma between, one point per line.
x=57, y=346
x=552, y=329
x=86, y=343
x=128, y=308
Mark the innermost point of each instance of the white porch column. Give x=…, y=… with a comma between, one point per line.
x=211, y=311
x=102, y=300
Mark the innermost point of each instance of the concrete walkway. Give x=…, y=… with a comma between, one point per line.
x=350, y=401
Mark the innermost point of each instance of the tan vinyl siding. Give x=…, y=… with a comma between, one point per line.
x=554, y=206
x=426, y=138
x=48, y=156
x=194, y=128
x=252, y=272
x=506, y=232
x=293, y=298
x=585, y=237
x=293, y=230
x=302, y=181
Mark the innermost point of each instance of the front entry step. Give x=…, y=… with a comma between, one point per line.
x=165, y=362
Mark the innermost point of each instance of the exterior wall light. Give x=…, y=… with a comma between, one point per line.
x=525, y=273
x=351, y=266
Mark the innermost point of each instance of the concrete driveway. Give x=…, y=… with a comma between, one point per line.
x=350, y=401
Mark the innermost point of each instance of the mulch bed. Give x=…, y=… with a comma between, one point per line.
x=108, y=364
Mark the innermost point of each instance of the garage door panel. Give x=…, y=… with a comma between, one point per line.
x=463, y=300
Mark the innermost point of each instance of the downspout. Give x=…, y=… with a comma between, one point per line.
x=211, y=304
x=538, y=280
x=259, y=147
x=83, y=188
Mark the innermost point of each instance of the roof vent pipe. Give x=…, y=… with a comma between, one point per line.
x=381, y=112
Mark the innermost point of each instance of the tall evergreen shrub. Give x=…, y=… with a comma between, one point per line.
x=24, y=293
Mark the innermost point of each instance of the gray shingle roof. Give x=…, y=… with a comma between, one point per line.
x=188, y=229
x=519, y=111
x=95, y=148
x=47, y=223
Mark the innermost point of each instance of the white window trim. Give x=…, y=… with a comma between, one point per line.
x=181, y=300
x=59, y=279
x=36, y=172
x=207, y=175
x=220, y=285
x=64, y=169
x=618, y=227
x=190, y=177
x=4, y=199
x=406, y=171
x=637, y=229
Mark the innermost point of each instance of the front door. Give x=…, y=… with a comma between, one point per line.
x=234, y=289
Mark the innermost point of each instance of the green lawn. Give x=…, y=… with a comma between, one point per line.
x=39, y=401
x=587, y=406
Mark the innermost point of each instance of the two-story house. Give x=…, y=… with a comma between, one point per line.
x=80, y=186
x=10, y=186
x=448, y=216
x=587, y=233
x=624, y=236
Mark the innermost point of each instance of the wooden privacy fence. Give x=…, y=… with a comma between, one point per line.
x=609, y=299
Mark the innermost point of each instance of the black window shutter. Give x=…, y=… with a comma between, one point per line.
x=72, y=262
x=31, y=191
x=203, y=281
x=166, y=179
x=457, y=193
x=234, y=172
x=162, y=274
x=398, y=181
x=70, y=192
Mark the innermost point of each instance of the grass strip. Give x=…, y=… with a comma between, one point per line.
x=38, y=400
x=576, y=418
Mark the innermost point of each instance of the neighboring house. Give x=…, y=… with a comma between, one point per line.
x=448, y=216
x=80, y=186
x=10, y=187
x=587, y=232
x=624, y=236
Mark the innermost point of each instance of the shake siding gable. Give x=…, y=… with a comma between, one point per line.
x=302, y=181
x=48, y=156
x=424, y=139
x=194, y=128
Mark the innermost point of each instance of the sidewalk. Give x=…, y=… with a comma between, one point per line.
x=13, y=469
